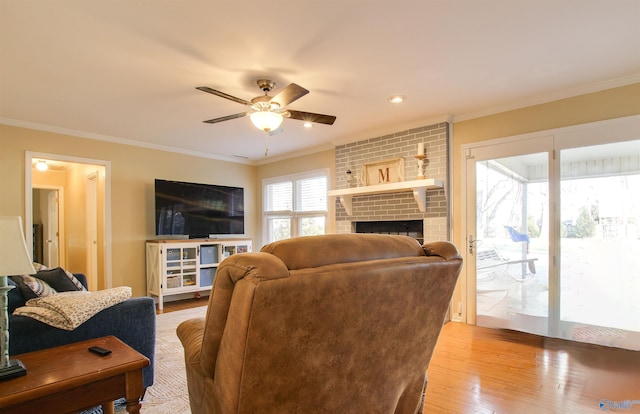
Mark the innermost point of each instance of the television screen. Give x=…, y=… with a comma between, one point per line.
x=198, y=210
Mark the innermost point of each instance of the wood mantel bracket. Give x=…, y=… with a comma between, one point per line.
x=418, y=187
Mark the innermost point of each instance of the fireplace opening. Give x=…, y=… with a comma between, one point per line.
x=411, y=228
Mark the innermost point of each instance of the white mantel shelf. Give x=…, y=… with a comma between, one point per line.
x=418, y=187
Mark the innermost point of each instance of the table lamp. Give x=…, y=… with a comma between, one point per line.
x=14, y=260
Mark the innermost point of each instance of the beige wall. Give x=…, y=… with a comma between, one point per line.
x=76, y=219
x=76, y=215
x=133, y=170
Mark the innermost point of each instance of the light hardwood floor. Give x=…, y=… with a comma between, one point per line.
x=177, y=305
x=481, y=370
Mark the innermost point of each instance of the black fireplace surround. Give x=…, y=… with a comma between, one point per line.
x=411, y=228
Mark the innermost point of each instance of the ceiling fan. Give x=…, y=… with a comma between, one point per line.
x=267, y=112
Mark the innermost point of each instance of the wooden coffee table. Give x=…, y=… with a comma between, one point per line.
x=70, y=378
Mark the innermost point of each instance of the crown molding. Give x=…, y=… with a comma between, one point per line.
x=551, y=97
x=300, y=153
x=116, y=140
x=365, y=134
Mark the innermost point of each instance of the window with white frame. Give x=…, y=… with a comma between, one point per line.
x=295, y=205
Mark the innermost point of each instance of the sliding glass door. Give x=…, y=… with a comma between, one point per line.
x=510, y=241
x=600, y=244
x=553, y=235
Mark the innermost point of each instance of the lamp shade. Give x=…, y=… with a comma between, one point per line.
x=266, y=120
x=14, y=255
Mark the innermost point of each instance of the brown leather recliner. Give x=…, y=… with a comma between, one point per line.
x=342, y=323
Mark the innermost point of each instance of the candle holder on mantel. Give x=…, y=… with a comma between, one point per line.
x=421, y=158
x=351, y=180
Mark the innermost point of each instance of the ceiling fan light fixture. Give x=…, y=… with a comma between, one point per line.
x=266, y=120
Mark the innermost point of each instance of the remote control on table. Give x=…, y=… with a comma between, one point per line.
x=100, y=351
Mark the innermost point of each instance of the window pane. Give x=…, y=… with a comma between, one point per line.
x=512, y=256
x=312, y=226
x=311, y=194
x=279, y=196
x=600, y=198
x=279, y=229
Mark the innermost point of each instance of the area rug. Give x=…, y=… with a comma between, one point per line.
x=168, y=395
x=598, y=335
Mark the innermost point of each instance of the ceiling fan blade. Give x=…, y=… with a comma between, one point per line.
x=223, y=95
x=311, y=117
x=289, y=94
x=225, y=118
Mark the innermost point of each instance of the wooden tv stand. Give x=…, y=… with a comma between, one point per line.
x=178, y=266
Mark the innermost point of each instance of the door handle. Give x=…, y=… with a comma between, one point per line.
x=471, y=243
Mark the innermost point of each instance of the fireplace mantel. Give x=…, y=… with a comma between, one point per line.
x=418, y=187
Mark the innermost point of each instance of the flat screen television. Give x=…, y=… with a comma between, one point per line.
x=198, y=210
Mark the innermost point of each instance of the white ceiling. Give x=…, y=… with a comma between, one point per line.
x=126, y=70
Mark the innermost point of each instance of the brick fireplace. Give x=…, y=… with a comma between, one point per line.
x=396, y=210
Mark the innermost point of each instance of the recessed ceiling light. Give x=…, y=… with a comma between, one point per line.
x=307, y=125
x=397, y=99
x=42, y=166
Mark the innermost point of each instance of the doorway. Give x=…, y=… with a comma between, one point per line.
x=552, y=233
x=509, y=249
x=78, y=189
x=48, y=226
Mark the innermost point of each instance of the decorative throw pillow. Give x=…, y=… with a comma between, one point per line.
x=74, y=280
x=32, y=287
x=39, y=266
x=26, y=292
x=60, y=280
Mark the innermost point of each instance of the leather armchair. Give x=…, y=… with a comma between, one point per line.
x=327, y=324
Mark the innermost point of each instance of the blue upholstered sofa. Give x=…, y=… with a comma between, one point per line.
x=132, y=321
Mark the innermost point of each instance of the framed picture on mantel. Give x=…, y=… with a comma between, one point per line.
x=382, y=172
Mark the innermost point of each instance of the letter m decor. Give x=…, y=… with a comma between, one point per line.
x=381, y=172
x=384, y=175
